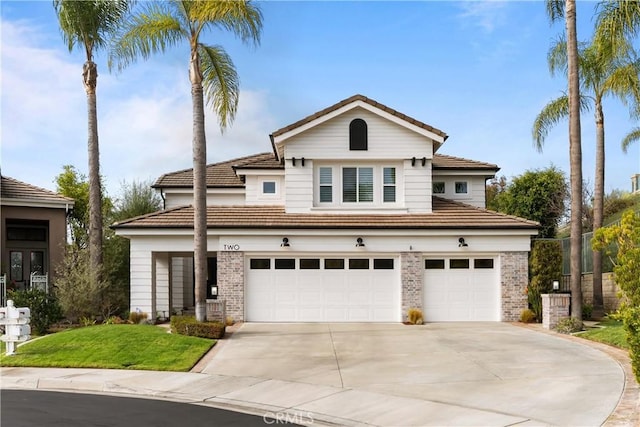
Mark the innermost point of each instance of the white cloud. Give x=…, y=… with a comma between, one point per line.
x=487, y=15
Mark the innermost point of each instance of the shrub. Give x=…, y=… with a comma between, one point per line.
x=114, y=320
x=414, y=316
x=527, y=316
x=569, y=325
x=546, y=266
x=136, y=317
x=188, y=325
x=229, y=321
x=631, y=318
x=587, y=311
x=87, y=321
x=44, y=308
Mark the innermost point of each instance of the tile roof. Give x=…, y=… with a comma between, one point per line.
x=446, y=214
x=11, y=188
x=223, y=174
x=220, y=174
x=369, y=101
x=444, y=162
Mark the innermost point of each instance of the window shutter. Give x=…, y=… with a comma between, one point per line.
x=326, y=185
x=365, y=184
x=349, y=185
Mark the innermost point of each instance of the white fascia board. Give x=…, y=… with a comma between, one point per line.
x=37, y=203
x=189, y=190
x=424, y=132
x=262, y=172
x=461, y=172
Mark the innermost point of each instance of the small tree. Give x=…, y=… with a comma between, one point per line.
x=546, y=266
x=44, y=308
x=626, y=237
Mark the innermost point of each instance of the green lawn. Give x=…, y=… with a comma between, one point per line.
x=613, y=334
x=112, y=346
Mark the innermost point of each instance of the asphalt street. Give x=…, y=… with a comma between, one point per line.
x=21, y=408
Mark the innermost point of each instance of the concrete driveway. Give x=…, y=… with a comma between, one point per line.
x=435, y=374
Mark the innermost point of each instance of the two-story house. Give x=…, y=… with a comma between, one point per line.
x=353, y=216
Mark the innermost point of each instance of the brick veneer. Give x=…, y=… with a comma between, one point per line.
x=513, y=284
x=412, y=278
x=231, y=283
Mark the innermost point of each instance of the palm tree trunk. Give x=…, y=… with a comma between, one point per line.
x=90, y=80
x=598, y=211
x=575, y=158
x=199, y=193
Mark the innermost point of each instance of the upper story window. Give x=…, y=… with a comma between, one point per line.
x=358, y=135
x=461, y=187
x=326, y=185
x=389, y=185
x=438, y=187
x=269, y=187
x=357, y=185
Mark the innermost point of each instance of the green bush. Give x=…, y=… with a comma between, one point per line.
x=587, y=311
x=527, y=316
x=631, y=318
x=569, y=325
x=44, y=308
x=187, y=325
x=546, y=266
x=136, y=317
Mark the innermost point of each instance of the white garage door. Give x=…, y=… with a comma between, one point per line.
x=322, y=290
x=461, y=289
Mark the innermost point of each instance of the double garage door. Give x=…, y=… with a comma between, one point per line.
x=461, y=289
x=335, y=289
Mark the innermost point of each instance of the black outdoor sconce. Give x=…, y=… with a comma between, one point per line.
x=285, y=242
x=462, y=243
x=359, y=243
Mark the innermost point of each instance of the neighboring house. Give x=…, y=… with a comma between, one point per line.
x=33, y=234
x=352, y=217
x=635, y=183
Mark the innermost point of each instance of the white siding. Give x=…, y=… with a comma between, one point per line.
x=330, y=140
x=141, y=296
x=475, y=188
x=417, y=187
x=298, y=187
x=176, y=199
x=254, y=194
x=162, y=285
x=177, y=285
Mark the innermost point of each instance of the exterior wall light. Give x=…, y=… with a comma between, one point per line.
x=556, y=285
x=359, y=243
x=214, y=291
x=462, y=243
x=285, y=242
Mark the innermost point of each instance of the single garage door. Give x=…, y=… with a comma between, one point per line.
x=461, y=289
x=322, y=290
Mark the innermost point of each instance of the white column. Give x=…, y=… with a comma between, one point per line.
x=141, y=291
x=162, y=285
x=177, y=283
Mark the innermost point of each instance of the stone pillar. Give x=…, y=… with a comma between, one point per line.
x=231, y=283
x=514, y=277
x=216, y=310
x=411, y=276
x=554, y=308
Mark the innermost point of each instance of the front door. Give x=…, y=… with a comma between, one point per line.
x=22, y=263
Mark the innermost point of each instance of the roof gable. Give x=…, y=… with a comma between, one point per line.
x=280, y=135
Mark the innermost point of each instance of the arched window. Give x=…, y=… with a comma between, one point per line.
x=358, y=135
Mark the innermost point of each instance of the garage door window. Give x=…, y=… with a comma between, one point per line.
x=285, y=264
x=334, y=264
x=260, y=263
x=383, y=264
x=459, y=263
x=309, y=264
x=434, y=264
x=358, y=264
x=483, y=263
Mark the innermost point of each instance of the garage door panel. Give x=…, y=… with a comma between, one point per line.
x=316, y=295
x=468, y=294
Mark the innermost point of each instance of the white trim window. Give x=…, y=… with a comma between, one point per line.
x=438, y=187
x=461, y=187
x=325, y=175
x=268, y=187
x=357, y=184
x=388, y=185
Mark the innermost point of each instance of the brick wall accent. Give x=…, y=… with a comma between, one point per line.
x=514, y=277
x=412, y=277
x=554, y=308
x=231, y=283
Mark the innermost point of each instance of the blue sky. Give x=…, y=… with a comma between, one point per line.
x=476, y=70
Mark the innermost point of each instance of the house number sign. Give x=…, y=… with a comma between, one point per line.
x=231, y=247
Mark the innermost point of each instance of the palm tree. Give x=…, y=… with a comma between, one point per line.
x=630, y=138
x=89, y=25
x=557, y=9
x=618, y=20
x=160, y=26
x=604, y=72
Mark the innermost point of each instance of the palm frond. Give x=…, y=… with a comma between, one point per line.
x=557, y=56
x=151, y=31
x=241, y=17
x=90, y=24
x=624, y=83
x=631, y=137
x=551, y=114
x=555, y=9
x=220, y=83
x=617, y=20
